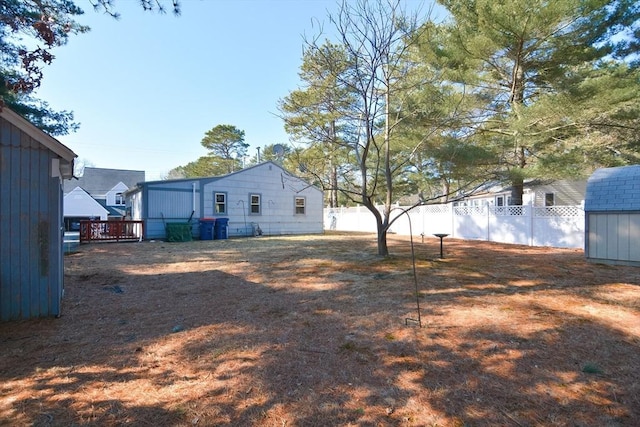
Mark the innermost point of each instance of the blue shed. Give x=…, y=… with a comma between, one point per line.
x=33, y=166
x=612, y=216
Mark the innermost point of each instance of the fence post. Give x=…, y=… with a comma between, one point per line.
x=531, y=229
x=486, y=206
x=453, y=222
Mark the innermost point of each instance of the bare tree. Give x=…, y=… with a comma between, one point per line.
x=376, y=36
x=389, y=82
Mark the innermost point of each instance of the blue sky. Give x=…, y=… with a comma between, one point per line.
x=146, y=88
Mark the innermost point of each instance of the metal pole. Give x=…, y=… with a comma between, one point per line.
x=415, y=275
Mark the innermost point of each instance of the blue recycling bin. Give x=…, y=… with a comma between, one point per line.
x=206, y=228
x=220, y=228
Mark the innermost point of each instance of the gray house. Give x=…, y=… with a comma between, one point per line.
x=33, y=166
x=612, y=216
x=264, y=199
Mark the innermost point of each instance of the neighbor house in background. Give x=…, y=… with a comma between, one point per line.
x=33, y=166
x=612, y=216
x=264, y=198
x=536, y=192
x=98, y=194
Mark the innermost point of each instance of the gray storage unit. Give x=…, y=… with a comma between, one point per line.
x=612, y=216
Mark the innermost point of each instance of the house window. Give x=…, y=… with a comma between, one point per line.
x=119, y=199
x=220, y=203
x=500, y=201
x=254, y=202
x=300, y=205
x=549, y=199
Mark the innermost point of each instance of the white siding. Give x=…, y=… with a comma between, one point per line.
x=135, y=201
x=278, y=190
x=111, y=194
x=78, y=203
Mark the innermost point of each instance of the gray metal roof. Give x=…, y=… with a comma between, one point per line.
x=613, y=189
x=98, y=181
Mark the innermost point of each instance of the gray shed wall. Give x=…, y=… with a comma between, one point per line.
x=31, y=267
x=612, y=216
x=613, y=238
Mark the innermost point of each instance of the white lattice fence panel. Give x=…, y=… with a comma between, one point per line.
x=558, y=211
x=434, y=209
x=508, y=210
x=469, y=210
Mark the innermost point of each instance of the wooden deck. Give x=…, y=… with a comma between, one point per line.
x=110, y=231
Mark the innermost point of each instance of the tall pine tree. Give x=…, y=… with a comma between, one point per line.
x=521, y=55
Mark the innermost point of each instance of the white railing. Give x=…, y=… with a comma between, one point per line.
x=555, y=226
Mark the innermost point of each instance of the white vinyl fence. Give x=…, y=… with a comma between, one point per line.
x=555, y=226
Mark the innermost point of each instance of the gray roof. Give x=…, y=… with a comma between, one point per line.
x=112, y=210
x=98, y=181
x=613, y=189
x=213, y=178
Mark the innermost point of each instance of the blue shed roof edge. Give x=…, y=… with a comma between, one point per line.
x=614, y=189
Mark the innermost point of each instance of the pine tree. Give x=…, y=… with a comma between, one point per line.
x=520, y=55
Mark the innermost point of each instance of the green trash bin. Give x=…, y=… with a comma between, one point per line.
x=179, y=232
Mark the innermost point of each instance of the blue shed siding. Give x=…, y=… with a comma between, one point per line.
x=31, y=270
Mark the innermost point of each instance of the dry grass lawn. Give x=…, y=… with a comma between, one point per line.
x=313, y=331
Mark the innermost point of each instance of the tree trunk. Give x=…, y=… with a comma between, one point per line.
x=446, y=188
x=383, y=250
x=517, y=100
x=333, y=170
x=382, y=226
x=517, y=190
x=333, y=183
x=517, y=179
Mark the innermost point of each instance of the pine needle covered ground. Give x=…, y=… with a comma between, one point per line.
x=313, y=331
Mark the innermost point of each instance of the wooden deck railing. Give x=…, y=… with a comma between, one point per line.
x=111, y=231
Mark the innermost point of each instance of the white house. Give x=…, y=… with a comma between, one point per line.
x=106, y=188
x=264, y=198
x=536, y=193
x=79, y=204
